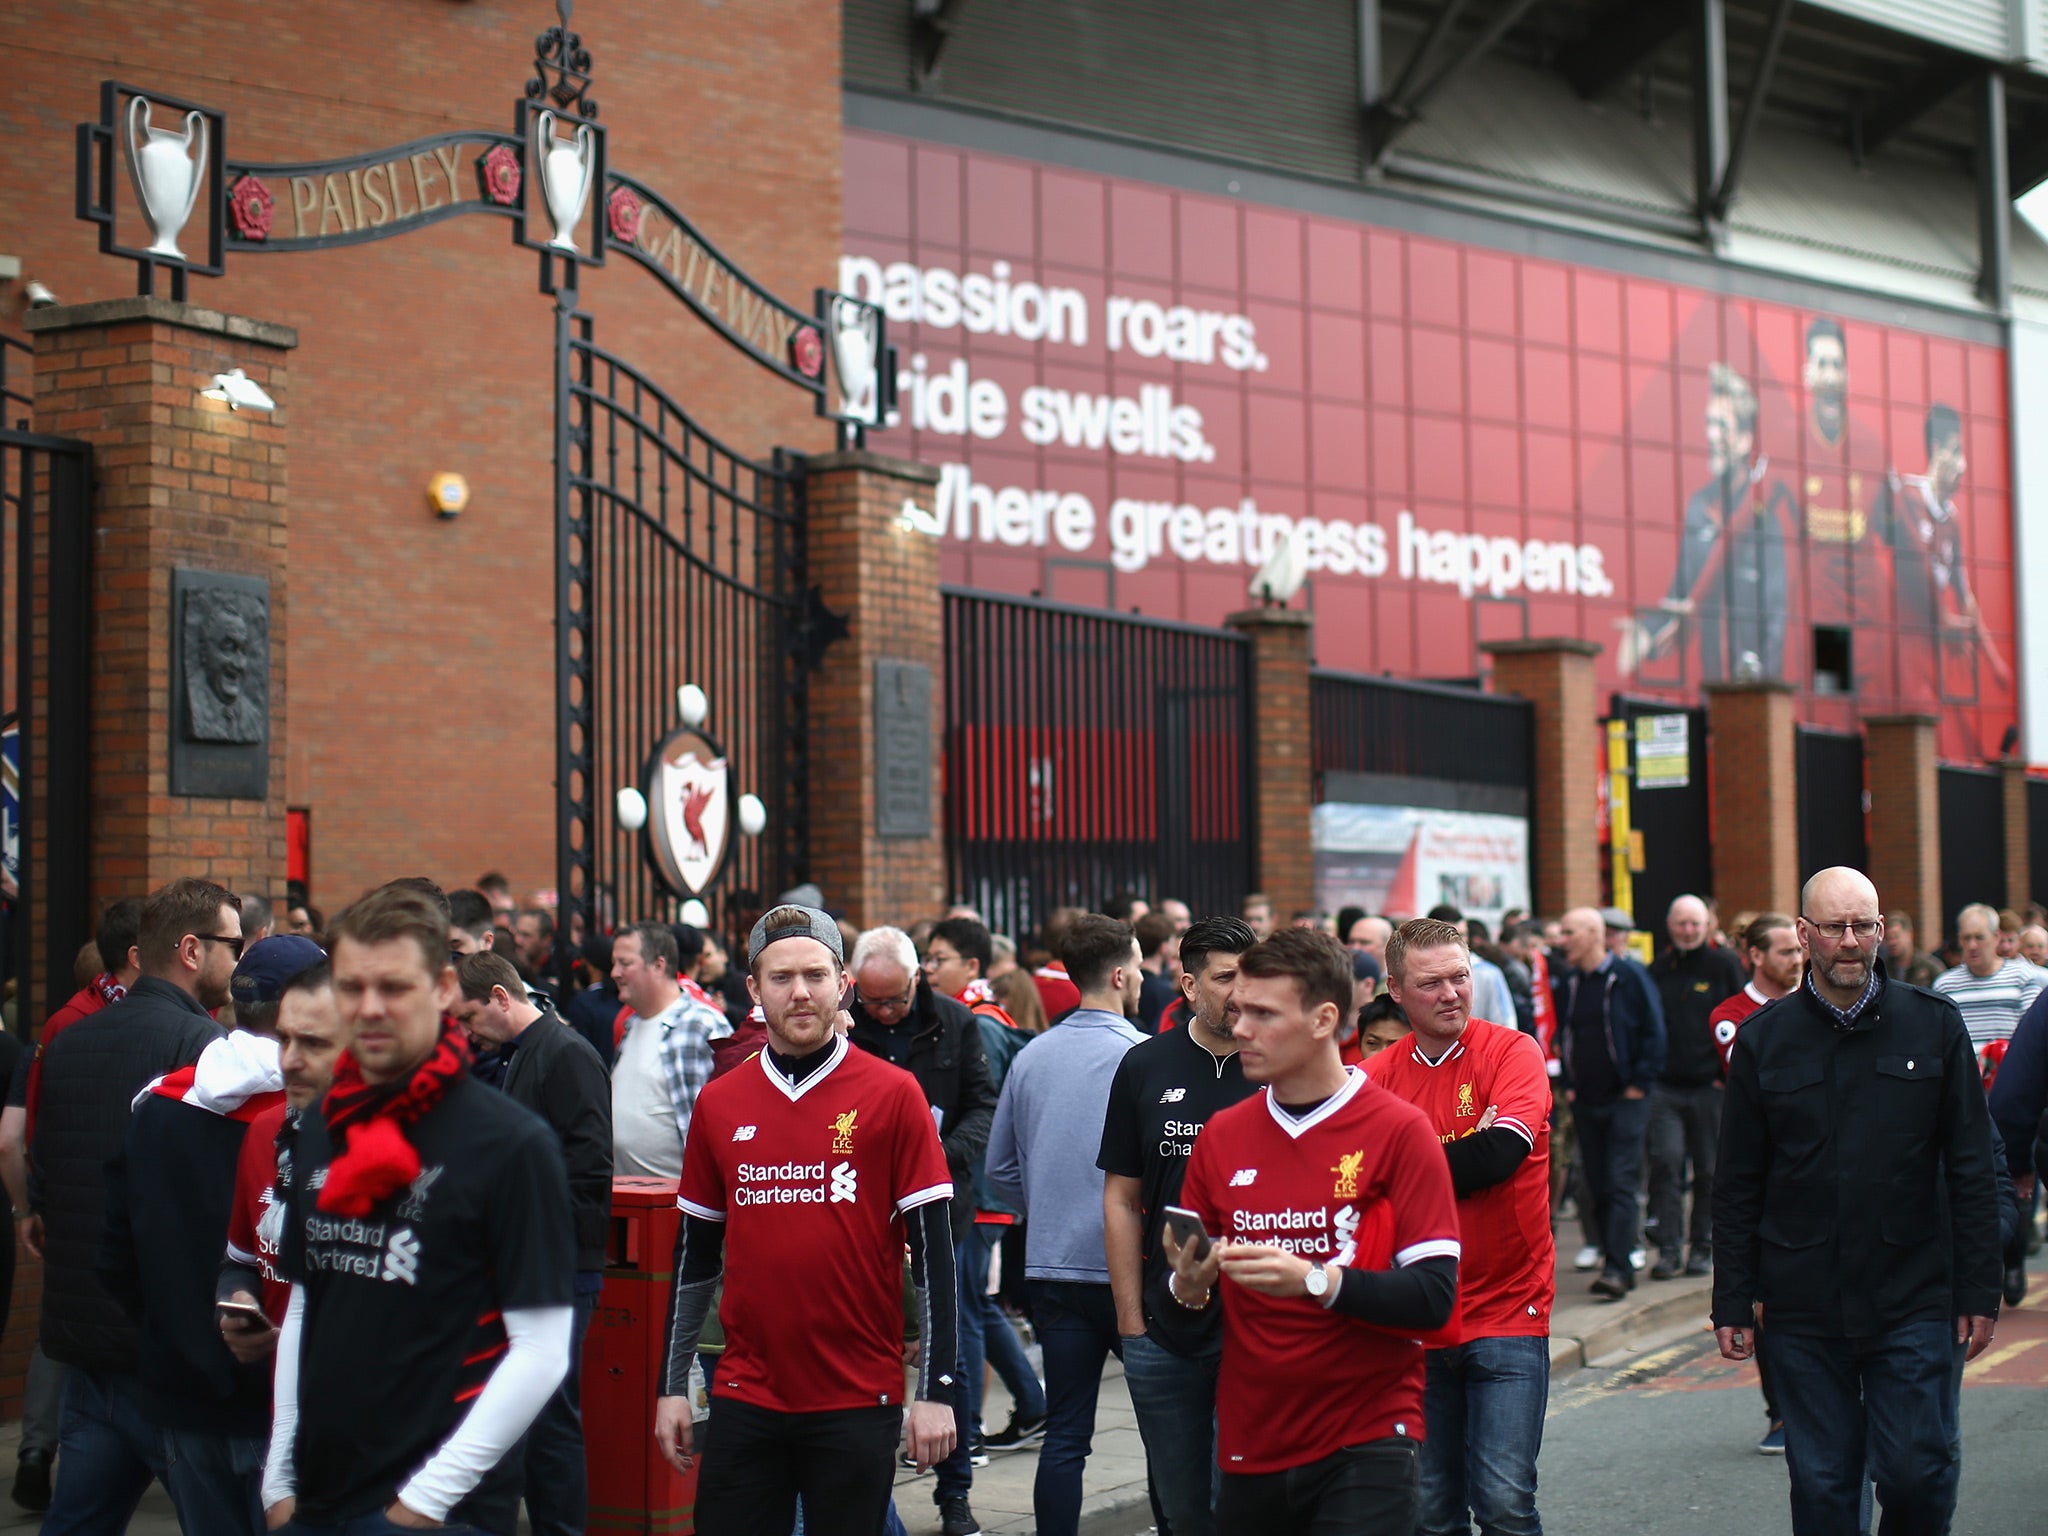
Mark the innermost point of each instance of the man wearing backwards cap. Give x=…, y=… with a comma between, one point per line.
x=806, y=1172
x=168, y=1197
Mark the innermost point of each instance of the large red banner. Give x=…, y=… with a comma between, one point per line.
x=1139, y=395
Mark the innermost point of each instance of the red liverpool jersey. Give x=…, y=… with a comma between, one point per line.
x=1298, y=1381
x=256, y=1219
x=1507, y=1277
x=812, y=1181
x=1727, y=1020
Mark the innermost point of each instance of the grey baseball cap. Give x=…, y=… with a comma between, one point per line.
x=795, y=923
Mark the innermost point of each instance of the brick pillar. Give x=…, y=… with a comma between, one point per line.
x=178, y=481
x=1753, y=746
x=1556, y=677
x=2019, y=871
x=1905, y=820
x=872, y=853
x=1283, y=769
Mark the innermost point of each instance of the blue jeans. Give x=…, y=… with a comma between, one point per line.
x=557, y=1481
x=1889, y=1403
x=1174, y=1398
x=986, y=1337
x=216, y=1481
x=1483, y=1405
x=107, y=1453
x=1611, y=1149
x=1077, y=1330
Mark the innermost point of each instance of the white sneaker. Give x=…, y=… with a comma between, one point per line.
x=1588, y=1258
x=1638, y=1257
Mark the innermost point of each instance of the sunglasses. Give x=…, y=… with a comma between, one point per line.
x=234, y=944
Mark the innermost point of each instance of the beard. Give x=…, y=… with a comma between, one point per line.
x=1847, y=974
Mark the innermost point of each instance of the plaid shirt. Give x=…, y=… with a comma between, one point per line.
x=688, y=1026
x=1845, y=1018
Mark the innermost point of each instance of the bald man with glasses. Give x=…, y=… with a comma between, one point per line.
x=1855, y=1207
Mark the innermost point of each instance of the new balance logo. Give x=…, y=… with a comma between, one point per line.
x=743, y=1133
x=845, y=1182
x=1173, y=1095
x=1242, y=1177
x=402, y=1258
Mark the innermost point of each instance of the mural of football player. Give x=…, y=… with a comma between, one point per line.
x=1842, y=588
x=1937, y=611
x=1729, y=586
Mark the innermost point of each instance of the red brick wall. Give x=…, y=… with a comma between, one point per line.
x=884, y=577
x=1905, y=820
x=1752, y=735
x=1557, y=678
x=1283, y=765
x=178, y=481
x=421, y=651
x=2019, y=853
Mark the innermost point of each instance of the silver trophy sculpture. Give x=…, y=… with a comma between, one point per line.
x=855, y=336
x=167, y=175
x=566, y=166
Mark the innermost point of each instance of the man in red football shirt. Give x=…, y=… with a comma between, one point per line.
x=1487, y=1097
x=1776, y=962
x=1335, y=1225
x=806, y=1172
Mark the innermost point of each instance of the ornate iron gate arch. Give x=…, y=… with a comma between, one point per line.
x=677, y=559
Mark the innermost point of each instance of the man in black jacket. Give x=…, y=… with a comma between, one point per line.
x=898, y=1017
x=1856, y=1207
x=1694, y=977
x=190, y=939
x=169, y=1194
x=556, y=1073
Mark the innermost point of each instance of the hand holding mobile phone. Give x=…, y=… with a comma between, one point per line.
x=245, y=1313
x=1187, y=1228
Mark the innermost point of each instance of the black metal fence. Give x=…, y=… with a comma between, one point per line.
x=1674, y=819
x=1381, y=725
x=1972, y=802
x=684, y=565
x=1088, y=752
x=45, y=644
x=2037, y=838
x=1833, y=827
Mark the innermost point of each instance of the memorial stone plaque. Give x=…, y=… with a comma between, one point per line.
x=220, y=685
x=903, y=749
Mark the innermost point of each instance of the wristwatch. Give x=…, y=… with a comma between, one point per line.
x=1317, y=1282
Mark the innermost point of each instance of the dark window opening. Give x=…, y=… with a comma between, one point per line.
x=1831, y=670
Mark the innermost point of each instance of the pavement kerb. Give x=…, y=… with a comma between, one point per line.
x=1600, y=1334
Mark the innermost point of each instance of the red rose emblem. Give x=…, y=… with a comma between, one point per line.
x=624, y=211
x=498, y=167
x=808, y=350
x=250, y=204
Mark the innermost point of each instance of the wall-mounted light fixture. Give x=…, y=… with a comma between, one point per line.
x=449, y=493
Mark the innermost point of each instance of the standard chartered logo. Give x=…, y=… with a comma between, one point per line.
x=402, y=1258
x=845, y=1179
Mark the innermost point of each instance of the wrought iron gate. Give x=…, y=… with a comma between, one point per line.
x=1087, y=752
x=45, y=574
x=678, y=561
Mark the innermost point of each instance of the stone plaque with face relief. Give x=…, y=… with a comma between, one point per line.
x=220, y=684
x=903, y=749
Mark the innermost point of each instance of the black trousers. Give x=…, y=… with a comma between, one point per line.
x=1359, y=1489
x=841, y=1463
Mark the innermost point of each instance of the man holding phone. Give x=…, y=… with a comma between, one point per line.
x=1335, y=1226
x=1164, y=1092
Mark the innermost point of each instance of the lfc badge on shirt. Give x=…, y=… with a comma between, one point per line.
x=1466, y=1111
x=1347, y=1175
x=842, y=1133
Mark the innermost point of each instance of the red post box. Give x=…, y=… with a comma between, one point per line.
x=631, y=1488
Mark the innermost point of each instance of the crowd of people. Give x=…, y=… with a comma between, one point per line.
x=323, y=1205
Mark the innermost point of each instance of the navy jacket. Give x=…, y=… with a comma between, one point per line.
x=1631, y=1017
x=2019, y=1096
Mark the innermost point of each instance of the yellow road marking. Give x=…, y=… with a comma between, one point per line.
x=1997, y=1357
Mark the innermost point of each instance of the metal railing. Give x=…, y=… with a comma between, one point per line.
x=1384, y=725
x=1088, y=752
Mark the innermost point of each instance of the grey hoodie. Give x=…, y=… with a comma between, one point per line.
x=1048, y=1129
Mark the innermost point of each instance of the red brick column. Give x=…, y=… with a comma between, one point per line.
x=178, y=480
x=1556, y=677
x=1283, y=769
x=1752, y=742
x=1905, y=820
x=2019, y=865
x=882, y=576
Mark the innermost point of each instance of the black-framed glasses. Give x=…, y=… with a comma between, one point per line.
x=234, y=942
x=901, y=1004
x=1834, y=933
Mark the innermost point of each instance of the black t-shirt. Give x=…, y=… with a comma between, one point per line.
x=14, y=1063
x=402, y=1320
x=1164, y=1092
